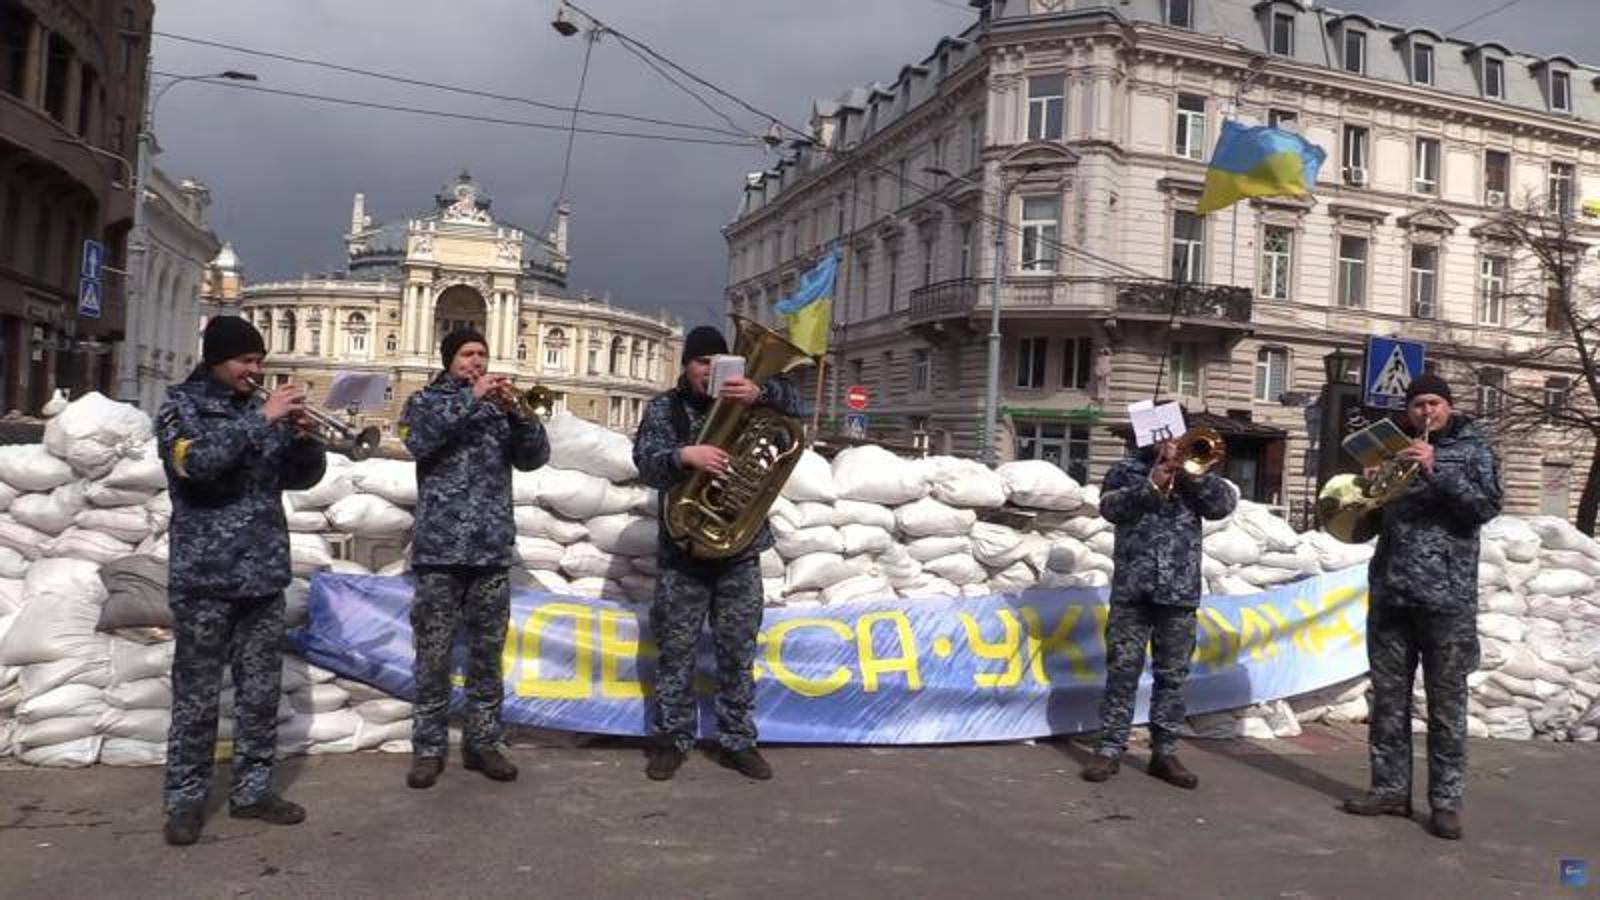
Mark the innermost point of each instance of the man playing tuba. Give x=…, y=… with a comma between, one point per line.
x=689, y=590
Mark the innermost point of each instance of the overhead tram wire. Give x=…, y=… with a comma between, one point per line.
x=572, y=127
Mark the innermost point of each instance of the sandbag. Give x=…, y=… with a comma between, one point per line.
x=819, y=571
x=1559, y=583
x=795, y=543
x=1267, y=530
x=1519, y=542
x=12, y=563
x=71, y=754
x=929, y=548
x=31, y=468
x=858, y=588
x=59, y=618
x=383, y=710
x=581, y=496
x=1014, y=579
x=336, y=484
x=146, y=693
x=94, y=432
x=116, y=751
x=58, y=730
x=148, y=725
x=80, y=543
x=1232, y=546
x=306, y=520
x=872, y=474
x=855, y=512
x=8, y=495
x=585, y=447
x=859, y=539
x=369, y=515
x=138, y=660
x=50, y=513
x=109, y=498
x=1067, y=555
x=129, y=524
x=69, y=699
x=957, y=568
x=395, y=480
x=623, y=534
x=965, y=483
x=136, y=588
x=319, y=698
x=997, y=546
x=540, y=553
x=308, y=553
x=143, y=472
x=1038, y=484
x=585, y=560
x=811, y=480
x=535, y=522
x=90, y=666
x=928, y=517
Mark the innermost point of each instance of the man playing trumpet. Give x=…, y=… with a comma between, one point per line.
x=466, y=433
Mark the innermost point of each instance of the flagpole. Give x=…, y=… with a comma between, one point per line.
x=816, y=406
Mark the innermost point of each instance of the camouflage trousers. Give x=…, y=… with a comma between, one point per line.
x=731, y=597
x=479, y=599
x=212, y=632
x=1169, y=630
x=1447, y=646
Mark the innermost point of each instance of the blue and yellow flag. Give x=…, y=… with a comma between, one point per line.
x=810, y=308
x=1258, y=162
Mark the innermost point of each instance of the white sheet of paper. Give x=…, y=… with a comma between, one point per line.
x=362, y=390
x=1152, y=423
x=724, y=367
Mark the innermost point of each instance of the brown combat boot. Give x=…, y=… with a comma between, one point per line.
x=1379, y=805
x=491, y=762
x=1100, y=768
x=424, y=772
x=1166, y=767
x=1446, y=823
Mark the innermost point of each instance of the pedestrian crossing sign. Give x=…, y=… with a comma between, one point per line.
x=1391, y=364
x=89, y=298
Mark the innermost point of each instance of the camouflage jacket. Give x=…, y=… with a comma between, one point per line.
x=673, y=421
x=1427, y=552
x=227, y=469
x=465, y=448
x=1157, y=552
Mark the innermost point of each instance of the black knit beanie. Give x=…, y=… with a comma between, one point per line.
x=704, y=340
x=1428, y=383
x=455, y=340
x=227, y=337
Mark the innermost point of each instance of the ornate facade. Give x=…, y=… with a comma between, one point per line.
x=1083, y=126
x=412, y=280
x=167, y=325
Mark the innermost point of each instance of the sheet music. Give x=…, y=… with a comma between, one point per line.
x=1152, y=423
x=361, y=390
x=723, y=368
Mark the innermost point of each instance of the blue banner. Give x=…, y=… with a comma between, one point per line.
x=996, y=668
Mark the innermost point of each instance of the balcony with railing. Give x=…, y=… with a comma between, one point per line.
x=955, y=298
x=1159, y=297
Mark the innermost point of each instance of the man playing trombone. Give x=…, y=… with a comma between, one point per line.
x=466, y=432
x=1156, y=505
x=229, y=456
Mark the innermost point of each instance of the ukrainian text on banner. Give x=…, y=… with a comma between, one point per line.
x=891, y=672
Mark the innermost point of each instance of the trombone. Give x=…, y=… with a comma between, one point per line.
x=535, y=402
x=344, y=437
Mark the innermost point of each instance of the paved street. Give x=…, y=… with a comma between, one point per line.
x=1004, y=820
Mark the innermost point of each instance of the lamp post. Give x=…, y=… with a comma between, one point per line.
x=128, y=359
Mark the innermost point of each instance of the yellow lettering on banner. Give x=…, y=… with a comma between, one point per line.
x=872, y=666
x=613, y=650
x=1007, y=648
x=1305, y=639
x=1257, y=634
x=805, y=687
x=1221, y=647
x=1059, y=639
x=580, y=685
x=1332, y=624
x=1280, y=624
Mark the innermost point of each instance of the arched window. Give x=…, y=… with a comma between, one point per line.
x=356, y=329
x=265, y=327
x=286, y=329
x=391, y=343
x=555, y=343
x=618, y=350
x=522, y=351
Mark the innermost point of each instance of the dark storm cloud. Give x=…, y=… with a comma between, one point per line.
x=646, y=215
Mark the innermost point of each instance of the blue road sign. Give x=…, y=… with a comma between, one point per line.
x=94, y=254
x=1391, y=364
x=855, y=425
x=89, y=298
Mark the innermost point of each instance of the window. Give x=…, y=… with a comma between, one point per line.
x=391, y=344
x=838, y=226
x=555, y=343
x=1561, y=91
x=894, y=278
x=1077, y=362
x=1287, y=119
x=1492, y=290
x=1272, y=374
x=928, y=262
x=1496, y=177
x=1560, y=196
x=1422, y=63
x=357, y=327
x=1183, y=370
x=522, y=350
x=966, y=251
x=1427, y=166
x=866, y=283
x=1355, y=52
x=286, y=332
x=974, y=140
x=1424, y=281
x=1355, y=156
x=1494, y=78
x=1352, y=271
x=902, y=182
x=1283, y=34
x=858, y=371
x=618, y=351
x=1179, y=13
x=921, y=367
x=1555, y=397
x=1041, y=223
x=1555, y=308
x=1188, y=247
x=1491, y=391
x=1065, y=445
x=1191, y=130
x=1032, y=353
x=1046, y=94
x=594, y=360
x=1277, y=262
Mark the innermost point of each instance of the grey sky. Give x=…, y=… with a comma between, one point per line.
x=646, y=215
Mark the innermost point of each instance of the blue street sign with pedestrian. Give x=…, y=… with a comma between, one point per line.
x=1391, y=364
x=94, y=254
x=855, y=425
x=89, y=298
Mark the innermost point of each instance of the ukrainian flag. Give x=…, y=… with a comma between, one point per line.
x=1258, y=162
x=810, y=308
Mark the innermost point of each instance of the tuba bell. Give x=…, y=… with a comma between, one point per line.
x=717, y=516
x=1201, y=451
x=1350, y=507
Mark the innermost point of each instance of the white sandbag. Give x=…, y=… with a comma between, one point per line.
x=308, y=553
x=50, y=513
x=396, y=569
x=370, y=735
x=859, y=588
x=94, y=431
x=586, y=447
x=1266, y=576
x=1503, y=602
x=1014, y=579
x=810, y=514
x=997, y=546
x=856, y=512
x=793, y=543
x=897, y=565
x=1090, y=507
x=369, y=515
x=142, y=473
x=819, y=571
x=623, y=534
x=8, y=494
x=1519, y=542
x=91, y=666
x=1067, y=555
x=384, y=710
x=1084, y=529
x=320, y=728
x=1098, y=562
x=66, y=700
x=72, y=754
x=58, y=730
x=772, y=591
x=872, y=474
x=137, y=660
x=1556, y=533
x=1035, y=550
x=1232, y=546
x=395, y=480
x=1104, y=543
x=159, y=509
x=149, y=725
x=336, y=484
x=928, y=548
x=928, y=587
x=576, y=495
x=1053, y=580
x=858, y=539
x=646, y=502
x=30, y=467
x=957, y=568
x=1559, y=583
x=928, y=517
x=1334, y=554
x=598, y=588
x=534, y=521
x=319, y=698
x=540, y=553
x=585, y=560
x=129, y=524
x=964, y=483
x=771, y=564
x=1234, y=586
x=1501, y=627
x=1303, y=559
x=811, y=480
x=59, y=618
x=1038, y=484
x=307, y=520
x=784, y=510
x=1570, y=559
x=12, y=565
x=145, y=693
x=97, y=494
x=549, y=581
x=1266, y=529
x=129, y=752
x=80, y=543
x=528, y=487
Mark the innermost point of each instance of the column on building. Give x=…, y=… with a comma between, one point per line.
x=492, y=324
x=511, y=309
x=34, y=68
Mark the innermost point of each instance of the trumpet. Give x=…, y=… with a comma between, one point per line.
x=342, y=437
x=530, y=403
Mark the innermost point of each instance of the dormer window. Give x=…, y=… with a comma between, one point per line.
x=1494, y=78
x=1561, y=91
x=1355, y=51
x=1178, y=13
x=1283, y=34
x=1421, y=63
x=1555, y=76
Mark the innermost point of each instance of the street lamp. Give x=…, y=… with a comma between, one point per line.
x=128, y=362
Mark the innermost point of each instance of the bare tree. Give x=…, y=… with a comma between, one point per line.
x=1538, y=286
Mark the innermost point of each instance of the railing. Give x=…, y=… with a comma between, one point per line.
x=944, y=299
x=1189, y=300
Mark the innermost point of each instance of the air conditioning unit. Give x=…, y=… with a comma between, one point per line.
x=1495, y=198
x=1356, y=176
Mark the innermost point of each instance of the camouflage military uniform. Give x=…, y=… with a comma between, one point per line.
x=1154, y=593
x=690, y=591
x=1424, y=584
x=465, y=449
x=227, y=469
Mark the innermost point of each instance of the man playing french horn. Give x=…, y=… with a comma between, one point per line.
x=689, y=590
x=466, y=432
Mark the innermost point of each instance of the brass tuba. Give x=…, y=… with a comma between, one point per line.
x=717, y=516
x=1350, y=506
